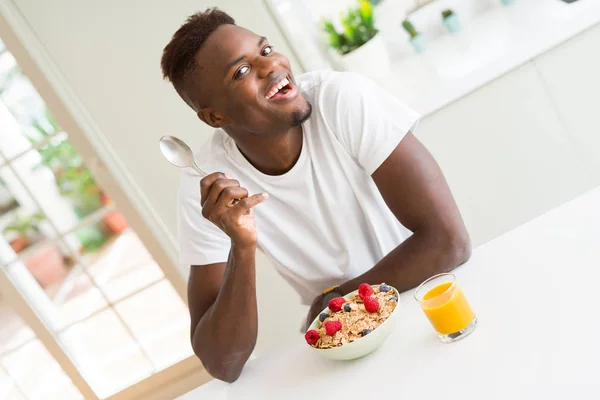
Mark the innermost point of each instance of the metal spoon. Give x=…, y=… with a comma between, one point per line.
x=178, y=153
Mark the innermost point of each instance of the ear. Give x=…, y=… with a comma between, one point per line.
x=213, y=118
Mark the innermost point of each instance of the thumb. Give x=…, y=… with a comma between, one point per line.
x=244, y=205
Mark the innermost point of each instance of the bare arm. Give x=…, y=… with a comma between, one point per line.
x=222, y=297
x=416, y=191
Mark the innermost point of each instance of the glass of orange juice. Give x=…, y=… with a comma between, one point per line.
x=446, y=307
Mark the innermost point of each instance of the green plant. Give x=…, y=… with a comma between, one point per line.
x=447, y=13
x=73, y=179
x=358, y=28
x=410, y=28
x=58, y=154
x=25, y=226
x=75, y=182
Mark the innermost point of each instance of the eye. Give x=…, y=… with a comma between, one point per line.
x=241, y=71
x=267, y=50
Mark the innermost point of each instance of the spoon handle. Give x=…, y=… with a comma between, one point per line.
x=197, y=168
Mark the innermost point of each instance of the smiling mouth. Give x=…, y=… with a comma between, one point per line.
x=282, y=89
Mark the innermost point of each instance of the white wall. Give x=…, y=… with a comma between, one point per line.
x=110, y=53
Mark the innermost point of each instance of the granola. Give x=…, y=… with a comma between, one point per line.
x=357, y=322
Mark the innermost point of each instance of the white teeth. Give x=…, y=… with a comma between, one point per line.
x=272, y=92
x=277, y=87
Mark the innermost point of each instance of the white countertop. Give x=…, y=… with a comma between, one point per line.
x=536, y=293
x=490, y=45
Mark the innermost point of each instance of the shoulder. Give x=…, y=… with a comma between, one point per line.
x=314, y=84
x=335, y=89
x=312, y=81
x=334, y=81
x=316, y=81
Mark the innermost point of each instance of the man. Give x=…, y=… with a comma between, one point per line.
x=319, y=171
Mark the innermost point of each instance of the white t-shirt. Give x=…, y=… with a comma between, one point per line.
x=325, y=221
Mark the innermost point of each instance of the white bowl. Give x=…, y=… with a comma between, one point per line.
x=364, y=345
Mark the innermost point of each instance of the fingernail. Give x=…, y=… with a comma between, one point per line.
x=228, y=176
x=265, y=195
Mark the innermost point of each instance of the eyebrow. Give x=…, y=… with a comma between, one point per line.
x=237, y=60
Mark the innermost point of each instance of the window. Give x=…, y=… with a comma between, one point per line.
x=90, y=312
x=27, y=370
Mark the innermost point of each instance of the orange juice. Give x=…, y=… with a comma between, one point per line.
x=447, y=308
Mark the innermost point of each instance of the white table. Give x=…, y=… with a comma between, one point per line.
x=536, y=292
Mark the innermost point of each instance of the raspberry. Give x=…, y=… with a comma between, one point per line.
x=371, y=304
x=331, y=327
x=365, y=290
x=312, y=336
x=336, y=304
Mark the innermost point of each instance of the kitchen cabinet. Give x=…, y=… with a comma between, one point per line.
x=571, y=74
x=505, y=153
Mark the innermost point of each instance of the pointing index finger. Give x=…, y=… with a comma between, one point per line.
x=244, y=205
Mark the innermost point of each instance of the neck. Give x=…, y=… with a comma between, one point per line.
x=275, y=154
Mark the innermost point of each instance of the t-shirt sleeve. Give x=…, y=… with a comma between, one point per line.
x=368, y=121
x=200, y=241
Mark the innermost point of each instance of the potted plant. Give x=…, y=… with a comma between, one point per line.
x=451, y=21
x=24, y=230
x=74, y=181
x=45, y=261
x=115, y=221
x=416, y=39
x=359, y=46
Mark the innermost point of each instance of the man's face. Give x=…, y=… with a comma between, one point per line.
x=248, y=86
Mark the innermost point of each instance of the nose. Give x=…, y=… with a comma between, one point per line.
x=266, y=66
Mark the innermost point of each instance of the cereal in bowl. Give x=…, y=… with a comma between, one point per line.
x=352, y=318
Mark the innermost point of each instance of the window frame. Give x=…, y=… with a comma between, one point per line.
x=86, y=138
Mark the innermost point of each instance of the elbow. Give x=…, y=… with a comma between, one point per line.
x=228, y=375
x=222, y=357
x=458, y=248
x=226, y=370
x=229, y=378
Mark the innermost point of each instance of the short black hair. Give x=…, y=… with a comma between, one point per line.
x=178, y=56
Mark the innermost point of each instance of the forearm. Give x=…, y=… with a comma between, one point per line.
x=226, y=335
x=417, y=258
